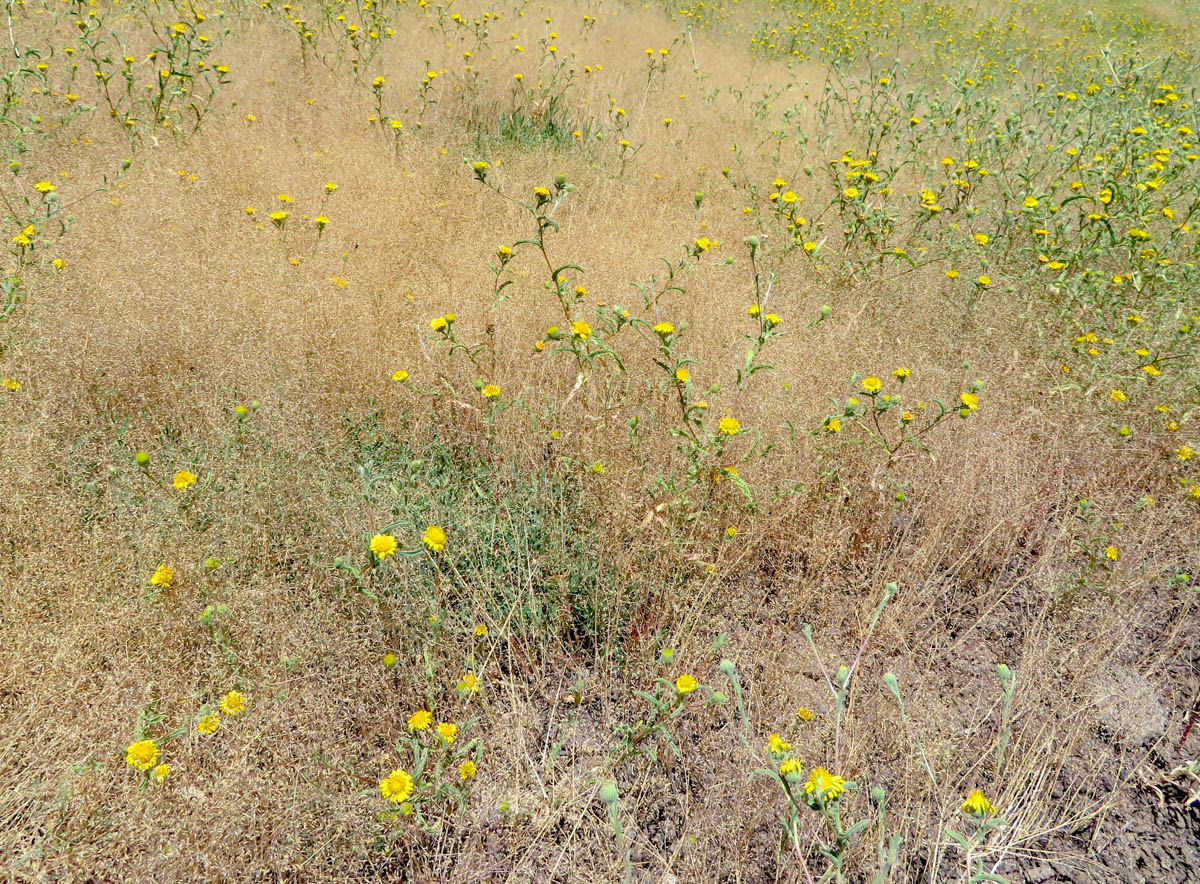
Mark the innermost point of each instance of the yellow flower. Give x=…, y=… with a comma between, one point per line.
x=978, y=805
x=160, y=772
x=729, y=426
x=970, y=400
x=420, y=720
x=434, y=538
x=321, y=221
x=480, y=167
x=437, y=323
x=278, y=216
x=396, y=786
x=466, y=770
x=481, y=630
x=1183, y=452
x=778, y=744
x=901, y=373
x=790, y=766
x=44, y=187
x=981, y=238
x=599, y=469
x=662, y=329
x=1117, y=396
x=447, y=731
x=682, y=375
x=1030, y=202
x=233, y=703
x=183, y=480
x=1112, y=553
x=753, y=310
x=389, y=659
x=142, y=754
x=383, y=545
x=581, y=329
x=490, y=391
x=772, y=319
x=208, y=724
x=872, y=384
x=468, y=684
x=10, y=384
x=685, y=684
x=399, y=375
x=826, y=785
x=804, y=713
x=833, y=425
x=850, y=192
x=983, y=280
x=162, y=576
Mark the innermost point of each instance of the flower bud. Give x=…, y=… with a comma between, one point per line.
x=728, y=669
x=143, y=459
x=560, y=181
x=608, y=793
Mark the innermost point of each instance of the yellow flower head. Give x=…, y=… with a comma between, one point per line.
x=438, y=323
x=983, y=280
x=467, y=769
x=682, y=375
x=383, y=545
x=662, y=329
x=901, y=373
x=1030, y=202
x=162, y=576
x=872, y=384
x=396, y=786
x=420, y=720
x=434, y=538
x=970, y=400
x=233, y=703
x=208, y=724
x=778, y=744
x=804, y=713
x=978, y=805
x=389, y=659
x=790, y=766
x=468, y=684
x=447, y=731
x=481, y=630
x=729, y=426
x=183, y=480
x=824, y=784
x=833, y=425
x=142, y=754
x=772, y=319
x=399, y=375
x=160, y=772
x=490, y=391
x=1117, y=396
x=685, y=684
x=581, y=329
x=753, y=310
x=1112, y=553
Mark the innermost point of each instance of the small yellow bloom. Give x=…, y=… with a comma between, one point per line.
x=682, y=375
x=1112, y=553
x=729, y=426
x=208, y=724
x=1117, y=396
x=399, y=375
x=778, y=744
x=468, y=684
x=396, y=786
x=10, y=384
x=383, y=545
x=872, y=384
x=233, y=703
x=160, y=772
x=162, y=576
x=970, y=400
x=753, y=310
x=833, y=425
x=824, y=784
x=804, y=713
x=983, y=280
x=685, y=684
x=447, y=731
x=581, y=329
x=490, y=391
x=1183, y=452
x=142, y=754
x=978, y=805
x=183, y=480
x=662, y=329
x=420, y=720
x=389, y=659
x=435, y=538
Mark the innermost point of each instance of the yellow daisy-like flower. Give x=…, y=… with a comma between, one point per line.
x=833, y=425
x=233, y=703
x=983, y=280
x=824, y=784
x=772, y=319
x=468, y=684
x=804, y=713
x=729, y=426
x=160, y=772
x=902, y=373
x=383, y=545
x=1183, y=452
x=447, y=731
x=970, y=400
x=790, y=766
x=467, y=769
x=581, y=329
x=10, y=384
x=142, y=754
x=162, y=576
x=1030, y=202
x=208, y=724
x=399, y=375
x=490, y=391
x=662, y=329
x=44, y=187
x=420, y=720
x=753, y=310
x=778, y=744
x=183, y=480
x=872, y=384
x=978, y=805
x=682, y=375
x=1112, y=553
x=389, y=659
x=434, y=538
x=1117, y=396
x=685, y=684
x=396, y=786
x=481, y=630
x=437, y=323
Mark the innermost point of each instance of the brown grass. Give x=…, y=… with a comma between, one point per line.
x=173, y=308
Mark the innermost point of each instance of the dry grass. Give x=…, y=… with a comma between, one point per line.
x=174, y=307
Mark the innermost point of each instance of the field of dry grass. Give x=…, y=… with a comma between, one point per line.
x=973, y=574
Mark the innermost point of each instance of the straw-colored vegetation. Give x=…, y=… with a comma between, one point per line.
x=591, y=442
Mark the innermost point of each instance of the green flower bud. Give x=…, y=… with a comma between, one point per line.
x=699, y=198
x=751, y=242
x=889, y=682
x=560, y=181
x=826, y=310
x=608, y=793
x=142, y=458
x=808, y=169
x=728, y=669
